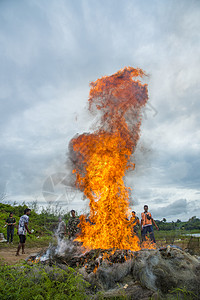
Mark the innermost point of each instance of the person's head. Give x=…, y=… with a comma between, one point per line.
x=27, y=211
x=60, y=219
x=73, y=213
x=146, y=208
x=11, y=214
x=133, y=213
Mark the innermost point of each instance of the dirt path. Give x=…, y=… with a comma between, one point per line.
x=8, y=254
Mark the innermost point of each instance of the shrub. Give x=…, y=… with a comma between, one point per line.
x=40, y=283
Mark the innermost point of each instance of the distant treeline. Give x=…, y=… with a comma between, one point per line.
x=191, y=224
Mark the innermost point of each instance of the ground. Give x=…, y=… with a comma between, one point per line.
x=7, y=254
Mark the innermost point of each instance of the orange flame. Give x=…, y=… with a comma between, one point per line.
x=148, y=244
x=102, y=158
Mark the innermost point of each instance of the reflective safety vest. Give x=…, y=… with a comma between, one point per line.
x=145, y=220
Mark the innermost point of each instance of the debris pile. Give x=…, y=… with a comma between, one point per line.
x=141, y=273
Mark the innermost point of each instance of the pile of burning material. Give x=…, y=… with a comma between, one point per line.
x=44, y=256
x=161, y=269
x=91, y=260
x=64, y=252
x=139, y=273
x=73, y=256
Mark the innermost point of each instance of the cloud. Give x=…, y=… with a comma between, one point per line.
x=176, y=208
x=50, y=51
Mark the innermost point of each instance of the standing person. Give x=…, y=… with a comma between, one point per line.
x=146, y=224
x=61, y=231
x=73, y=225
x=135, y=224
x=10, y=222
x=22, y=230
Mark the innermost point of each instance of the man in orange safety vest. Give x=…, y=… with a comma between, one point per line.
x=146, y=225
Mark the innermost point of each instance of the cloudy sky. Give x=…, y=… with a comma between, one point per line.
x=51, y=50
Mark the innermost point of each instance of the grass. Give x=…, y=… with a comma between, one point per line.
x=30, y=242
x=40, y=283
x=173, y=237
x=184, y=294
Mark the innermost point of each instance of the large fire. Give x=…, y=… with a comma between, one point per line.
x=102, y=159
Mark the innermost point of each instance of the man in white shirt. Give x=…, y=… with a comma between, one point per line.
x=22, y=230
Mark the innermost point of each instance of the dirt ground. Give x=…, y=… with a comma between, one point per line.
x=7, y=254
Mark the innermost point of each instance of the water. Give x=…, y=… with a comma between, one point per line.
x=193, y=234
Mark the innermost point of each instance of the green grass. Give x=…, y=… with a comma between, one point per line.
x=173, y=237
x=30, y=242
x=184, y=294
x=41, y=283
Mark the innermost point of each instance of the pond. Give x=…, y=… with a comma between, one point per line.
x=193, y=234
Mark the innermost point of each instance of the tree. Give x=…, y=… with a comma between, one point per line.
x=193, y=218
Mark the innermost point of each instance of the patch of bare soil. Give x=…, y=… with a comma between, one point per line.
x=7, y=254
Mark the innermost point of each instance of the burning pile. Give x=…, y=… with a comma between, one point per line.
x=134, y=274
x=102, y=158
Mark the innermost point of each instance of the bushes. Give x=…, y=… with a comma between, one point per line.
x=40, y=283
x=44, y=222
x=192, y=224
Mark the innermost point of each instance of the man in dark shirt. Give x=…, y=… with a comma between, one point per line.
x=10, y=222
x=135, y=224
